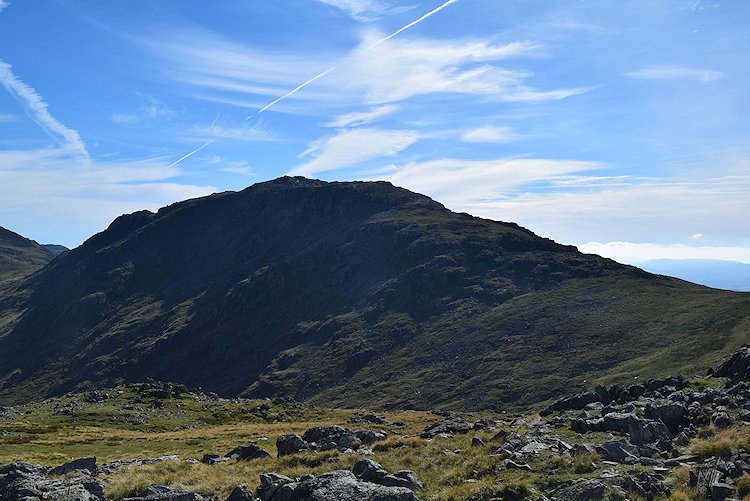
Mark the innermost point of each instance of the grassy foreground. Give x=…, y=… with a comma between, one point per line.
x=126, y=423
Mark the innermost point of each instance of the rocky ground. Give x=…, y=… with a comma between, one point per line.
x=674, y=438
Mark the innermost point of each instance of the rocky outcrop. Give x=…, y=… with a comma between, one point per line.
x=736, y=366
x=367, y=480
x=165, y=493
x=30, y=482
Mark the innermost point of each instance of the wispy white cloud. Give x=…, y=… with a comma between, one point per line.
x=401, y=69
x=677, y=73
x=462, y=184
x=7, y=117
x=351, y=147
x=634, y=253
x=47, y=193
x=3, y=4
x=356, y=119
x=489, y=134
x=37, y=109
x=365, y=11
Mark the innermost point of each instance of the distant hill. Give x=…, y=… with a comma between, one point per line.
x=20, y=256
x=727, y=275
x=55, y=249
x=350, y=294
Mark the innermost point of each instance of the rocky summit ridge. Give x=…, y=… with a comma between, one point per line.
x=357, y=293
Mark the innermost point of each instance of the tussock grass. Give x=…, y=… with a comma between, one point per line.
x=722, y=443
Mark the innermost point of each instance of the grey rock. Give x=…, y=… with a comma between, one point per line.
x=247, y=453
x=672, y=414
x=618, y=451
x=721, y=491
x=270, y=483
x=26, y=481
x=370, y=437
x=477, y=442
x=241, y=493
x=320, y=434
x=574, y=402
x=341, y=485
x=411, y=477
x=369, y=470
x=453, y=425
x=87, y=464
x=588, y=490
x=617, y=421
x=736, y=366
x=721, y=419
x=290, y=444
x=394, y=481
x=166, y=493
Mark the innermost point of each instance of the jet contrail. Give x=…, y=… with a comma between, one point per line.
x=308, y=82
x=192, y=153
x=414, y=23
x=379, y=42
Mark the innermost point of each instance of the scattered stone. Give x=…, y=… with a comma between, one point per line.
x=339, y=485
x=30, y=482
x=736, y=366
x=241, y=493
x=270, y=483
x=477, y=442
x=369, y=470
x=454, y=425
x=619, y=451
x=247, y=453
x=721, y=419
x=290, y=444
x=83, y=464
x=165, y=493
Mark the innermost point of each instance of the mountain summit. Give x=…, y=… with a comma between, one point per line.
x=348, y=293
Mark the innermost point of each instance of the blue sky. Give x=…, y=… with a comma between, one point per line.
x=621, y=127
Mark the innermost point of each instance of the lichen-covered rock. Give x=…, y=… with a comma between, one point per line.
x=290, y=444
x=30, y=482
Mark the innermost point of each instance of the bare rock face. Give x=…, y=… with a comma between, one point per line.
x=736, y=366
x=30, y=482
x=339, y=485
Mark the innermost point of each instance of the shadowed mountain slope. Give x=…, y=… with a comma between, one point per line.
x=351, y=294
x=20, y=256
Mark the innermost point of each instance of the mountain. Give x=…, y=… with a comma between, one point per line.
x=349, y=294
x=727, y=275
x=55, y=249
x=20, y=256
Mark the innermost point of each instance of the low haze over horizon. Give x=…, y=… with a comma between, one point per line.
x=619, y=127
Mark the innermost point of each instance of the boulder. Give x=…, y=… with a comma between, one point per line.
x=452, y=425
x=574, y=402
x=588, y=490
x=340, y=485
x=721, y=419
x=290, y=444
x=370, y=437
x=241, y=493
x=411, y=477
x=673, y=414
x=165, y=493
x=618, y=451
x=617, y=421
x=644, y=431
x=319, y=434
x=26, y=481
x=83, y=464
x=247, y=453
x=270, y=483
x=736, y=366
x=369, y=470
